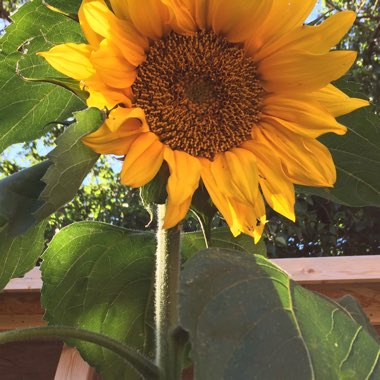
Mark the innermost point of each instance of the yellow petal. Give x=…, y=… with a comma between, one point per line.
x=149, y=16
x=240, y=216
x=298, y=71
x=71, y=60
x=237, y=174
x=278, y=190
x=104, y=96
x=302, y=115
x=120, y=8
x=337, y=102
x=92, y=37
x=184, y=178
x=120, y=33
x=284, y=16
x=123, y=116
x=237, y=21
x=181, y=19
x=305, y=161
x=112, y=67
x=313, y=39
x=143, y=160
x=117, y=134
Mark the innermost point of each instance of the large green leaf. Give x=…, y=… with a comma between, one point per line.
x=19, y=254
x=72, y=161
x=99, y=277
x=19, y=199
x=247, y=320
x=357, y=158
x=26, y=108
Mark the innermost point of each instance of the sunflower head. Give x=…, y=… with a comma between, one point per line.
x=230, y=94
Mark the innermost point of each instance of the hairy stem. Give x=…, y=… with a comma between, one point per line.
x=168, y=265
x=144, y=366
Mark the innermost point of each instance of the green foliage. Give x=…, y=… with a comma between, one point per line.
x=363, y=38
x=247, y=320
x=72, y=161
x=99, y=277
x=19, y=199
x=18, y=254
x=27, y=108
x=357, y=159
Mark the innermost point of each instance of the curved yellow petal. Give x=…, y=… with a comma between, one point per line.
x=103, y=96
x=303, y=72
x=305, y=160
x=120, y=8
x=284, y=16
x=240, y=216
x=112, y=67
x=237, y=174
x=143, y=160
x=277, y=188
x=150, y=17
x=237, y=21
x=123, y=116
x=70, y=59
x=181, y=19
x=313, y=39
x=301, y=115
x=92, y=37
x=337, y=102
x=185, y=171
x=120, y=33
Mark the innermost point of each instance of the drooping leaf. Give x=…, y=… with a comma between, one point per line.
x=354, y=308
x=99, y=277
x=19, y=254
x=72, y=161
x=19, y=199
x=247, y=320
x=357, y=158
x=193, y=242
x=26, y=108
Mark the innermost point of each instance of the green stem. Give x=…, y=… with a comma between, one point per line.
x=136, y=360
x=205, y=223
x=168, y=266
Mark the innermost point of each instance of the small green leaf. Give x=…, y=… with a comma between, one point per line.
x=19, y=254
x=99, y=277
x=357, y=158
x=19, y=198
x=193, y=242
x=247, y=320
x=27, y=108
x=72, y=161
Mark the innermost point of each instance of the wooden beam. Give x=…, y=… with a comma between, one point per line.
x=344, y=269
x=71, y=366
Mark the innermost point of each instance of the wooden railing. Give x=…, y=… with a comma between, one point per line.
x=332, y=276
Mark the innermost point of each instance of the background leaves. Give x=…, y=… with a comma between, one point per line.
x=27, y=108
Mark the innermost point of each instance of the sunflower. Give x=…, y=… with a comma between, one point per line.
x=231, y=94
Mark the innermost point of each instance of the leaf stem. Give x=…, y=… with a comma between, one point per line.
x=140, y=363
x=168, y=265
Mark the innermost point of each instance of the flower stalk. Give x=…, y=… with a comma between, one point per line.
x=168, y=266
